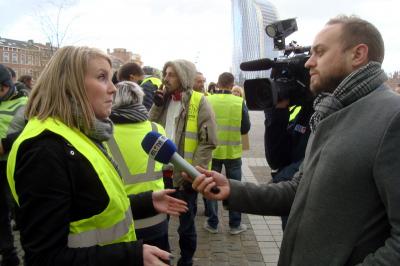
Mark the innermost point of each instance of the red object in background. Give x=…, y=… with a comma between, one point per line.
x=168, y=173
x=167, y=177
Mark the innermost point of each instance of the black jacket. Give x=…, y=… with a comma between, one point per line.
x=149, y=90
x=285, y=142
x=57, y=185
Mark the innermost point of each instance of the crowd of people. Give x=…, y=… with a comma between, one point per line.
x=83, y=191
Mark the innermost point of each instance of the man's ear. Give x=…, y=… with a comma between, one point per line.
x=360, y=55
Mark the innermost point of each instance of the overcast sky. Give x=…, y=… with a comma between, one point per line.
x=198, y=30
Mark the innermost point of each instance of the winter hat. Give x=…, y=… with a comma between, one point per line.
x=5, y=79
x=185, y=70
x=5, y=76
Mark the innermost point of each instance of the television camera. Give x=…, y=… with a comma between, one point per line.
x=289, y=79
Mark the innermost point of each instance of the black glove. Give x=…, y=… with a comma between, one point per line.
x=160, y=97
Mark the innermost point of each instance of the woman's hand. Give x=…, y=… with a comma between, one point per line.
x=164, y=203
x=153, y=256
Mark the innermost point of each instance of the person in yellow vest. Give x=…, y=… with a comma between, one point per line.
x=73, y=206
x=140, y=173
x=133, y=72
x=189, y=121
x=150, y=84
x=232, y=122
x=12, y=102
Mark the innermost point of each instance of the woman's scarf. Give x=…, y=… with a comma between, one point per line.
x=131, y=113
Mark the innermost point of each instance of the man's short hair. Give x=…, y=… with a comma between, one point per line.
x=129, y=69
x=356, y=31
x=225, y=80
x=25, y=78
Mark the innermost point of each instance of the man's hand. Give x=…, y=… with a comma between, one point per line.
x=164, y=203
x=152, y=256
x=158, y=98
x=207, y=180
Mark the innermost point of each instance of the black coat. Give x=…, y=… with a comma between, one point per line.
x=57, y=185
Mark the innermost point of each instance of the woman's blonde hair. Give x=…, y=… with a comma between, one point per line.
x=239, y=89
x=60, y=89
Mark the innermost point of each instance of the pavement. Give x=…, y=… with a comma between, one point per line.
x=259, y=245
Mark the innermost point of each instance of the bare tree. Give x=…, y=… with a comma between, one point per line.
x=53, y=22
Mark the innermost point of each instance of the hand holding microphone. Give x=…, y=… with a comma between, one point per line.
x=163, y=150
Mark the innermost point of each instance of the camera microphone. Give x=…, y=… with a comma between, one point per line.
x=163, y=150
x=259, y=64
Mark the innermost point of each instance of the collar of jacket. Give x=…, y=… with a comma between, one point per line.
x=186, y=98
x=223, y=91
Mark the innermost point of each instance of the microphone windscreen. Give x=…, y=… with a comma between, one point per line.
x=158, y=147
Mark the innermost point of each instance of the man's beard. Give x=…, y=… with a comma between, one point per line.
x=329, y=84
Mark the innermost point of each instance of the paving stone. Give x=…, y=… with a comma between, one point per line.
x=219, y=256
x=254, y=257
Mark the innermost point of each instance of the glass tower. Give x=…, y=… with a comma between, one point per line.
x=250, y=42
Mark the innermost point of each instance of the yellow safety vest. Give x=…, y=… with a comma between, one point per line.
x=228, y=114
x=156, y=81
x=8, y=109
x=139, y=172
x=115, y=223
x=7, y=112
x=191, y=133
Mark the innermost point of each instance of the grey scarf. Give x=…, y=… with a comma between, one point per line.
x=102, y=130
x=355, y=86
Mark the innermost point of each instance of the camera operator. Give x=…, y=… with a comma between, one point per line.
x=286, y=134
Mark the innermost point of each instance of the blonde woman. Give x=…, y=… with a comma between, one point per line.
x=238, y=91
x=74, y=209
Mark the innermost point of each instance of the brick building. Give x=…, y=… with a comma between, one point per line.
x=120, y=56
x=26, y=58
x=29, y=58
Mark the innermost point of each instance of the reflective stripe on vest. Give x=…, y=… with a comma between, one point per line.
x=139, y=172
x=107, y=235
x=7, y=112
x=293, y=111
x=151, y=173
x=191, y=133
x=228, y=114
x=143, y=173
x=150, y=221
x=114, y=224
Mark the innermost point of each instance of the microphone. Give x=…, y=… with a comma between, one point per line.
x=163, y=150
x=259, y=64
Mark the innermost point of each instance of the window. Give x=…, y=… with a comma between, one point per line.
x=23, y=59
x=14, y=58
x=29, y=60
x=6, y=58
